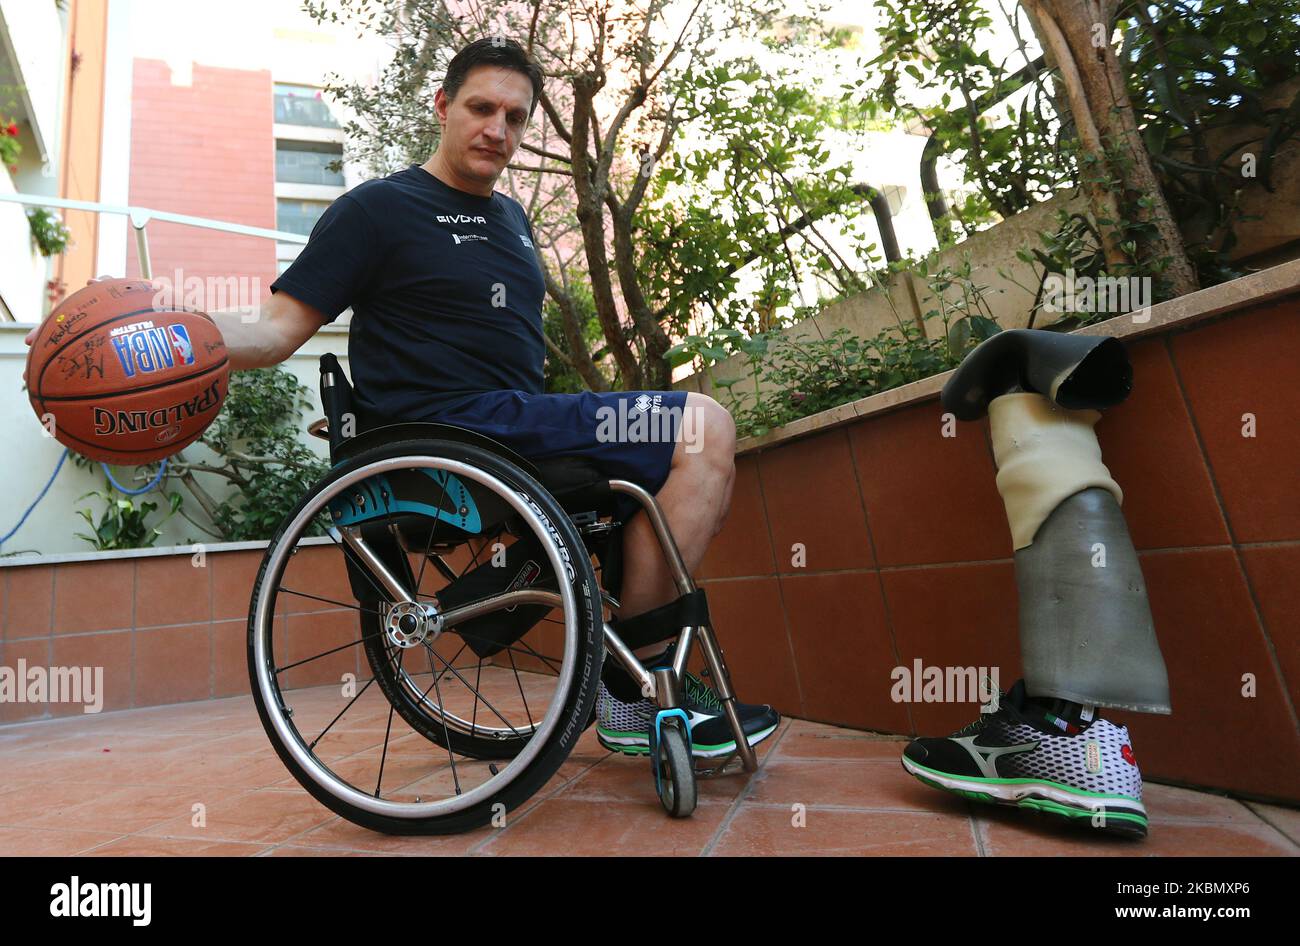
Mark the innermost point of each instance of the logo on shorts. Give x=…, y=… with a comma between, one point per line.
x=145, y=348
x=645, y=402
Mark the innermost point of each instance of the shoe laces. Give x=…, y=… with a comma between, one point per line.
x=700, y=693
x=977, y=725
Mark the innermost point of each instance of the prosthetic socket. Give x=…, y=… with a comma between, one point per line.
x=1086, y=633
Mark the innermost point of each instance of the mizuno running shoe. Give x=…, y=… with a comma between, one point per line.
x=625, y=727
x=1074, y=765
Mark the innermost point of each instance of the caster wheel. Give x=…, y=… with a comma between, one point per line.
x=675, y=772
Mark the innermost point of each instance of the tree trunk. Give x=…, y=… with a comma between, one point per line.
x=591, y=218
x=1078, y=33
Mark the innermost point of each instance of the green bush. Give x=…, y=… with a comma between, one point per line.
x=123, y=524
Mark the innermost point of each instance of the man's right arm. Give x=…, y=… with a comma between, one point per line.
x=276, y=330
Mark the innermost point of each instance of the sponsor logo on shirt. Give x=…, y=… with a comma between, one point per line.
x=527, y=242
x=468, y=237
x=459, y=218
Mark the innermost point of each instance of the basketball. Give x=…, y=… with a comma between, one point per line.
x=125, y=381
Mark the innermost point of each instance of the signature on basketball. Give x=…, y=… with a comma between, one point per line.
x=66, y=324
x=89, y=360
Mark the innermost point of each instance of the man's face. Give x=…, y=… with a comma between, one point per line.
x=483, y=126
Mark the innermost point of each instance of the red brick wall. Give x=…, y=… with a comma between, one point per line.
x=206, y=149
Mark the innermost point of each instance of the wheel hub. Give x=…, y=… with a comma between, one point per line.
x=410, y=624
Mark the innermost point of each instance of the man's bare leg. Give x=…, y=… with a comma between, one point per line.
x=695, y=499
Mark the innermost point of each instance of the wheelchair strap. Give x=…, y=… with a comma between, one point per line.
x=691, y=610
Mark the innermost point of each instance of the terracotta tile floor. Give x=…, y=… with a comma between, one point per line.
x=126, y=783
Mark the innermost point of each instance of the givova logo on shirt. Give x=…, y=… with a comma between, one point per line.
x=459, y=218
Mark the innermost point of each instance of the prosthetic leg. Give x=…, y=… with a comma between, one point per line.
x=1086, y=633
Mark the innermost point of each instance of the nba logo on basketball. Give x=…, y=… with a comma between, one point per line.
x=181, y=342
x=142, y=347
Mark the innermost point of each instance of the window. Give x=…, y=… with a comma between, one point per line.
x=302, y=105
x=298, y=216
x=307, y=162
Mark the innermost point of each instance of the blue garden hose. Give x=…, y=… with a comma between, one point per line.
x=162, y=469
x=48, y=483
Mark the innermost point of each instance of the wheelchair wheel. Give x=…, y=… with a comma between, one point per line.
x=411, y=755
x=675, y=777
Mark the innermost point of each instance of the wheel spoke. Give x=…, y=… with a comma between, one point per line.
x=478, y=682
x=333, y=650
x=337, y=604
x=340, y=714
x=387, y=732
x=486, y=702
x=519, y=683
x=533, y=653
x=451, y=757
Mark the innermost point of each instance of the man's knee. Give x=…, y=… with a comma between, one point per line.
x=709, y=432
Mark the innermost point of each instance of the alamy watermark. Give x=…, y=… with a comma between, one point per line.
x=921, y=684
x=208, y=293
x=83, y=899
x=1114, y=295
x=647, y=419
x=34, y=684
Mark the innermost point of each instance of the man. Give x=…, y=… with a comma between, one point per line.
x=446, y=290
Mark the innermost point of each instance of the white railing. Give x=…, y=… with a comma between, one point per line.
x=141, y=216
x=52, y=526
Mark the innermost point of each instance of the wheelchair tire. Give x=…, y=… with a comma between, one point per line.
x=534, y=760
x=676, y=781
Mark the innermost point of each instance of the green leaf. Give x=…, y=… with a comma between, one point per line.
x=679, y=354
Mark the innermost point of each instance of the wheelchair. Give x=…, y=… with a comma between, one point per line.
x=427, y=627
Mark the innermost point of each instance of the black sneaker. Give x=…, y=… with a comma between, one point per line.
x=625, y=727
x=1079, y=768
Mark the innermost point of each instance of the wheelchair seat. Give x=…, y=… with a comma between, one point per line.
x=578, y=485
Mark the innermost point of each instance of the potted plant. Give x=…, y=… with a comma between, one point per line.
x=9, y=146
x=50, y=233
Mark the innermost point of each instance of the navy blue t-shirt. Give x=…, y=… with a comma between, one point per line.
x=445, y=289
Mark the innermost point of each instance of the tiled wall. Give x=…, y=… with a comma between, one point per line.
x=164, y=630
x=908, y=555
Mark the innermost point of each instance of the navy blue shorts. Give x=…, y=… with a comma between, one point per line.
x=628, y=435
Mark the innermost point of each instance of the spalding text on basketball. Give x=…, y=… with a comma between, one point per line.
x=129, y=422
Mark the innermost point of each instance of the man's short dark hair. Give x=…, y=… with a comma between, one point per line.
x=493, y=51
